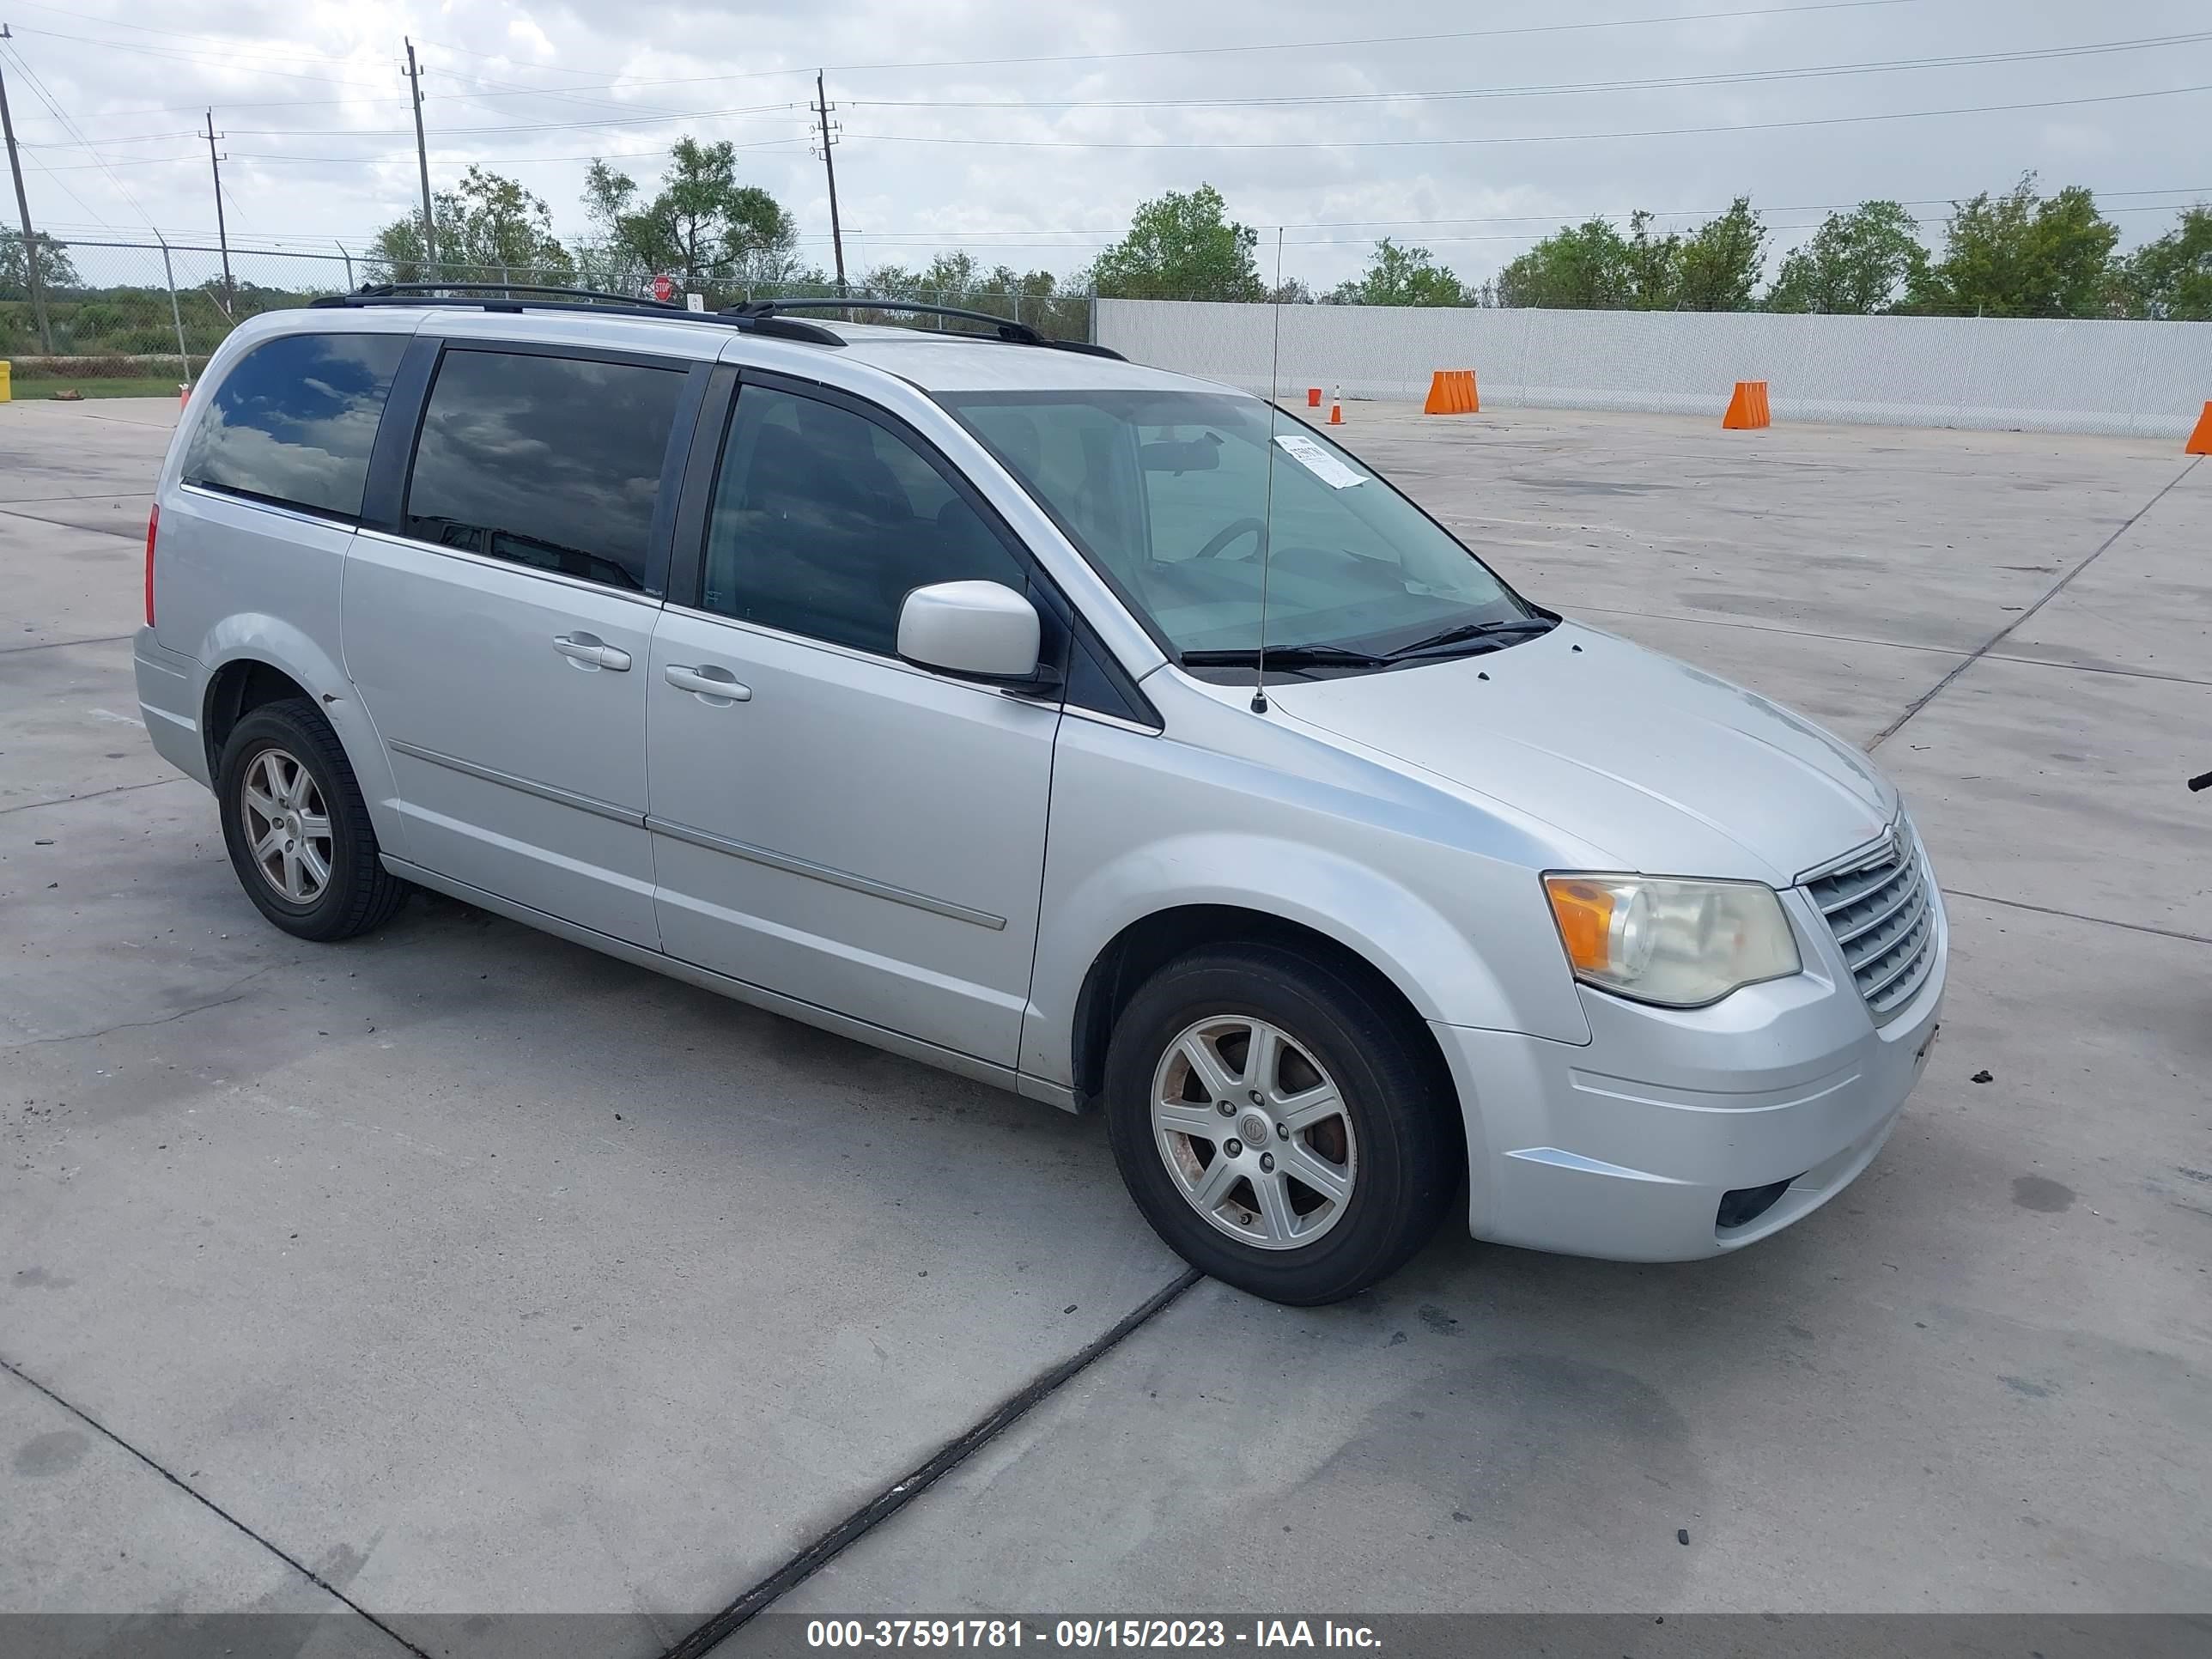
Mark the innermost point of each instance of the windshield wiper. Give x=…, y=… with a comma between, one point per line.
x=1287, y=656
x=1470, y=633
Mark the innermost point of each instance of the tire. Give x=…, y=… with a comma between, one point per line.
x=1392, y=1147
x=284, y=787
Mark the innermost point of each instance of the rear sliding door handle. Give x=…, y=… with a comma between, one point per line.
x=592, y=651
x=715, y=685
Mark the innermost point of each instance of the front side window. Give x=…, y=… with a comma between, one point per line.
x=551, y=462
x=824, y=521
x=295, y=420
x=1192, y=502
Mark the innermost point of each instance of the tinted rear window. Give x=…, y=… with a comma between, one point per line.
x=552, y=462
x=295, y=420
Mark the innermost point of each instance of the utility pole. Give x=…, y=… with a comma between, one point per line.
x=221, y=230
x=31, y=277
x=828, y=139
x=422, y=161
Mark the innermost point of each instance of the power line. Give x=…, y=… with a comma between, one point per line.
x=1717, y=77
x=1441, y=94
x=762, y=110
x=229, y=55
x=46, y=96
x=1523, y=138
x=1659, y=20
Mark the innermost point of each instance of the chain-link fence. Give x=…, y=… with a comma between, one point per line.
x=128, y=309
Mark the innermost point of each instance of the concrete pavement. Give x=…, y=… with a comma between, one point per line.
x=460, y=1270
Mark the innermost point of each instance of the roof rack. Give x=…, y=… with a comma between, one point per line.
x=764, y=317
x=1005, y=328
x=500, y=296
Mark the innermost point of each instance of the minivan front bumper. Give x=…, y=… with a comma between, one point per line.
x=1626, y=1147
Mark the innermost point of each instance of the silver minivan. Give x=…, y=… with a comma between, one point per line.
x=1098, y=732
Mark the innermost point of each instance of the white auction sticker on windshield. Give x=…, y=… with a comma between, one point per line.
x=1318, y=461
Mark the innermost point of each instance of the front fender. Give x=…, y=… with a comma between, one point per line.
x=256, y=636
x=1389, y=925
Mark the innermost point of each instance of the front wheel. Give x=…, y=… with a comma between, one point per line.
x=1277, y=1124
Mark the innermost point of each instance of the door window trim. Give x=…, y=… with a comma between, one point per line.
x=703, y=476
x=392, y=463
x=561, y=578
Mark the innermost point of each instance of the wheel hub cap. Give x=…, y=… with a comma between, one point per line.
x=287, y=825
x=1278, y=1173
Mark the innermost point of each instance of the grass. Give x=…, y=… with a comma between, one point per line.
x=30, y=389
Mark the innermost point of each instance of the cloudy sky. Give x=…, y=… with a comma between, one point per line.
x=1026, y=132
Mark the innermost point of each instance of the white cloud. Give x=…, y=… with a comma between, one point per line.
x=320, y=135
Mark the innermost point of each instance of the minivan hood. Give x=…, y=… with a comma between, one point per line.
x=1651, y=764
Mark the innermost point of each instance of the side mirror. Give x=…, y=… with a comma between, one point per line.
x=982, y=630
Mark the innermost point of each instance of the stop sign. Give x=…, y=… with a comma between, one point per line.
x=663, y=289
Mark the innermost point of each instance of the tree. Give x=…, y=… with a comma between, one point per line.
x=489, y=226
x=2020, y=255
x=603, y=258
x=957, y=279
x=1401, y=276
x=1716, y=266
x=702, y=226
x=1652, y=264
x=1182, y=246
x=2172, y=278
x=1592, y=266
x=55, y=269
x=1855, y=263
x=489, y=221
x=1582, y=268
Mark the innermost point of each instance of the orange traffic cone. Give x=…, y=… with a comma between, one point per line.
x=183, y=395
x=2200, y=441
x=1747, y=407
x=1452, y=392
x=1336, y=406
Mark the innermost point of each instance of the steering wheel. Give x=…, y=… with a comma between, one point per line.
x=1229, y=532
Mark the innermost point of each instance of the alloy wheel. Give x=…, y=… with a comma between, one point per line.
x=288, y=826
x=1255, y=1132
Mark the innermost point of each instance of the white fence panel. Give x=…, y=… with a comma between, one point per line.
x=2149, y=380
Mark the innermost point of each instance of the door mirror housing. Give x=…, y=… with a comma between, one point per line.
x=978, y=630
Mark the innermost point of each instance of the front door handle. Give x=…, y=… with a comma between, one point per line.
x=715, y=685
x=592, y=651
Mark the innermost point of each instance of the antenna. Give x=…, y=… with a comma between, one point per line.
x=1268, y=513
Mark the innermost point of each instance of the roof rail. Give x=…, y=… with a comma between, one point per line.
x=500, y=296
x=1007, y=328
x=378, y=290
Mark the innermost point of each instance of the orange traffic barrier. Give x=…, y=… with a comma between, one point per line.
x=1747, y=407
x=2200, y=441
x=1313, y=397
x=1336, y=406
x=1452, y=392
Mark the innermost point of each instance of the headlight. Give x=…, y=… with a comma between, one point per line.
x=1682, y=944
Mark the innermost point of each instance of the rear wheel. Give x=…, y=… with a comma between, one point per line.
x=1276, y=1123
x=297, y=828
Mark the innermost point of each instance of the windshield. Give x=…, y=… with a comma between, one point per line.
x=1169, y=495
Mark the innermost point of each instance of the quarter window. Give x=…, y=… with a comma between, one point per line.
x=295, y=420
x=824, y=521
x=551, y=462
